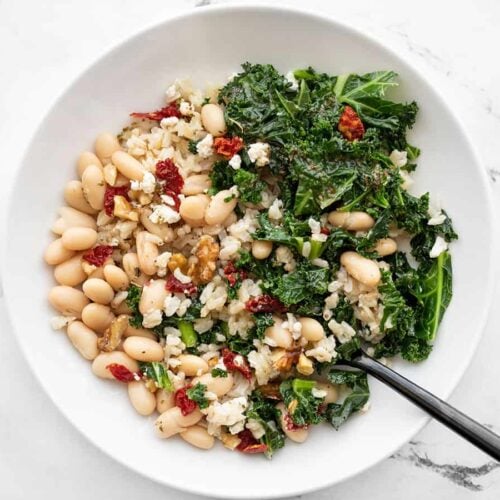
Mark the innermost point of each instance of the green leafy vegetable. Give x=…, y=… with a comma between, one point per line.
x=134, y=293
x=188, y=334
x=218, y=372
x=197, y=394
x=156, y=371
x=297, y=393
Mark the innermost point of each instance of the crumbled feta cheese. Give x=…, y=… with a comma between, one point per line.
x=275, y=212
x=235, y=162
x=440, y=246
x=258, y=153
x=170, y=121
x=290, y=78
x=234, y=191
x=152, y=318
x=182, y=309
x=161, y=263
x=399, y=158
x=255, y=427
x=203, y=325
x=314, y=225
x=181, y=276
x=323, y=350
x=205, y=147
x=60, y=322
x=170, y=305
x=319, y=237
x=343, y=331
x=318, y=393
x=168, y=200
x=407, y=180
x=436, y=215
x=285, y=256
x=172, y=93
x=164, y=214
x=147, y=185
x=186, y=108
x=230, y=413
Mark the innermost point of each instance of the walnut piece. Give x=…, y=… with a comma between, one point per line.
x=206, y=252
x=113, y=334
x=178, y=261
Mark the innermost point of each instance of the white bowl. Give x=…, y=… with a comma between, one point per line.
x=208, y=45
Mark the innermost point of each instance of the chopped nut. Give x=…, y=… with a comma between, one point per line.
x=145, y=199
x=305, y=365
x=213, y=361
x=113, y=335
x=283, y=360
x=271, y=391
x=292, y=406
x=87, y=267
x=150, y=385
x=123, y=209
x=206, y=252
x=110, y=174
x=230, y=441
x=178, y=261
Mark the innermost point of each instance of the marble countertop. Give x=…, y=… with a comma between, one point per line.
x=46, y=44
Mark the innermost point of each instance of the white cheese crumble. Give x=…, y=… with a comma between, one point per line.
x=161, y=263
x=436, y=216
x=399, y=158
x=205, y=147
x=230, y=413
x=152, y=318
x=318, y=393
x=255, y=427
x=181, y=276
x=324, y=350
x=259, y=152
x=164, y=213
x=60, y=322
x=186, y=108
x=170, y=305
x=290, y=78
x=275, y=212
x=170, y=121
x=172, y=93
x=235, y=162
x=343, y=331
x=314, y=225
x=147, y=185
x=440, y=246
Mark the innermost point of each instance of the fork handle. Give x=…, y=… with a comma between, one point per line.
x=454, y=419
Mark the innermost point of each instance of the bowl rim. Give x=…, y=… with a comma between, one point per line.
x=263, y=7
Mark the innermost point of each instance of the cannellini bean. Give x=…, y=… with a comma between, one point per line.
x=279, y=335
x=68, y=301
x=128, y=165
x=196, y=184
x=173, y=421
x=98, y=290
x=98, y=272
x=218, y=385
x=312, y=330
x=364, y=270
x=192, y=365
x=261, y=249
x=352, y=221
x=147, y=252
x=141, y=398
x=69, y=217
x=105, y=145
x=162, y=230
x=139, y=332
x=143, y=349
x=105, y=359
x=79, y=238
x=73, y=195
x=121, y=308
x=299, y=435
x=116, y=277
x=153, y=295
x=230, y=220
x=94, y=186
x=70, y=272
x=218, y=209
x=212, y=118
x=198, y=437
x=332, y=393
x=385, y=246
x=56, y=253
x=85, y=160
x=130, y=263
x=84, y=339
x=98, y=317
x=164, y=400
x=192, y=209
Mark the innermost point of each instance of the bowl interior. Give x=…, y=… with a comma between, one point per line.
x=207, y=46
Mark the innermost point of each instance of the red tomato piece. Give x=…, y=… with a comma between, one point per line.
x=228, y=146
x=121, y=372
x=166, y=112
x=350, y=125
x=98, y=255
x=264, y=303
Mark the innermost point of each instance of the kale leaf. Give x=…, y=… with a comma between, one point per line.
x=156, y=371
x=297, y=394
x=197, y=394
x=134, y=293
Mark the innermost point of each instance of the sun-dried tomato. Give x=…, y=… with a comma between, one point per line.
x=122, y=373
x=182, y=400
x=166, y=112
x=98, y=255
x=168, y=171
x=249, y=444
x=109, y=197
x=175, y=199
x=236, y=363
x=228, y=146
x=350, y=125
x=324, y=230
x=291, y=425
x=264, y=303
x=175, y=286
x=233, y=275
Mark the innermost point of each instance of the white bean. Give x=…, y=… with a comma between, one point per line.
x=312, y=330
x=364, y=270
x=68, y=301
x=173, y=421
x=212, y=118
x=128, y=165
x=104, y=359
x=98, y=317
x=98, y=290
x=147, y=252
x=192, y=209
x=116, y=277
x=143, y=349
x=130, y=264
x=332, y=393
x=70, y=217
x=79, y=238
x=70, y=272
x=198, y=437
x=162, y=230
x=86, y=159
x=299, y=435
x=56, y=253
x=218, y=385
x=218, y=208
x=352, y=221
x=105, y=145
x=94, y=187
x=196, y=184
x=153, y=295
x=164, y=400
x=261, y=249
x=139, y=332
x=73, y=195
x=141, y=398
x=192, y=365
x=279, y=335
x=386, y=246
x=83, y=339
